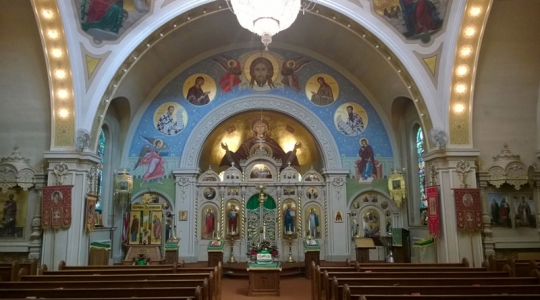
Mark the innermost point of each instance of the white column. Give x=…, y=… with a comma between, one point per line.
x=337, y=240
x=185, y=199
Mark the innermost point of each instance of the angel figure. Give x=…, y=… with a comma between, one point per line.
x=233, y=69
x=289, y=69
x=150, y=156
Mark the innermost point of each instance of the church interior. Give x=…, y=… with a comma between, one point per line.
x=166, y=131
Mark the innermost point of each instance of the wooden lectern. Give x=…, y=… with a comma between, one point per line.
x=363, y=245
x=312, y=251
x=215, y=253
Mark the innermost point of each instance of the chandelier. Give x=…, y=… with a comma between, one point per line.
x=267, y=17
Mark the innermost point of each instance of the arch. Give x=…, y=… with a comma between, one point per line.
x=194, y=144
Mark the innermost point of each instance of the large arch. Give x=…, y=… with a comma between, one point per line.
x=194, y=144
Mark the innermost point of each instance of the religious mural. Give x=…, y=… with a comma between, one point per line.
x=163, y=128
x=312, y=217
x=210, y=219
x=525, y=213
x=13, y=213
x=415, y=19
x=500, y=210
x=107, y=20
x=289, y=216
x=233, y=217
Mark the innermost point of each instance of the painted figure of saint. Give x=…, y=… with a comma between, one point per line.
x=166, y=123
x=196, y=95
x=134, y=228
x=10, y=216
x=324, y=95
x=156, y=228
x=313, y=223
x=365, y=162
x=209, y=224
x=289, y=219
x=289, y=69
x=524, y=215
x=260, y=139
x=233, y=220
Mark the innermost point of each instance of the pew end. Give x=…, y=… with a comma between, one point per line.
x=465, y=262
x=346, y=292
x=21, y=272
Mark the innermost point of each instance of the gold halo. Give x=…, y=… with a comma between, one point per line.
x=313, y=86
x=364, y=138
x=209, y=85
x=267, y=55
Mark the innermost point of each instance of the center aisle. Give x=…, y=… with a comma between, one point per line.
x=291, y=289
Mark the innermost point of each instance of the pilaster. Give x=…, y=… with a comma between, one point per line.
x=452, y=245
x=336, y=237
x=186, y=194
x=70, y=245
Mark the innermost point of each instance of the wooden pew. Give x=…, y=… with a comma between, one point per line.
x=453, y=297
x=63, y=266
x=464, y=263
x=324, y=285
x=95, y=292
x=30, y=267
x=338, y=283
x=203, y=283
x=357, y=291
x=422, y=269
x=520, y=267
x=108, y=275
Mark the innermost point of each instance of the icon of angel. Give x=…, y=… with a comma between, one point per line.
x=150, y=156
x=289, y=69
x=233, y=69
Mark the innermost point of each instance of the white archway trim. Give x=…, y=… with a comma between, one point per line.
x=195, y=142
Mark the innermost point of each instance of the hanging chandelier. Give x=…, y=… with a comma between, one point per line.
x=267, y=17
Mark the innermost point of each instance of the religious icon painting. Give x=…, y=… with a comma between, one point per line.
x=183, y=215
x=233, y=218
x=209, y=193
x=351, y=119
x=260, y=71
x=384, y=205
x=199, y=89
x=260, y=171
x=13, y=212
x=356, y=204
x=338, y=216
x=170, y=119
x=289, y=217
x=209, y=220
x=312, y=217
x=289, y=191
x=371, y=223
x=524, y=209
x=157, y=228
x=135, y=236
x=312, y=193
x=322, y=89
x=500, y=210
x=290, y=69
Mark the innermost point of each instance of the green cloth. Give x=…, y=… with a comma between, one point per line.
x=268, y=266
x=314, y=247
x=100, y=246
x=424, y=243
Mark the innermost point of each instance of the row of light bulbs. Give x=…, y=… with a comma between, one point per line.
x=57, y=53
x=463, y=69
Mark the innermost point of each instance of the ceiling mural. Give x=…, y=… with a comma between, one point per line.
x=414, y=19
x=108, y=20
x=208, y=84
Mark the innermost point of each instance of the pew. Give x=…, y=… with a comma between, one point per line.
x=320, y=285
x=30, y=267
x=464, y=263
x=63, y=266
x=95, y=292
x=127, y=284
x=520, y=267
x=132, y=274
x=456, y=297
x=422, y=269
x=336, y=289
x=357, y=291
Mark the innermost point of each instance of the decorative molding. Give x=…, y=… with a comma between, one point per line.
x=15, y=171
x=507, y=168
x=462, y=170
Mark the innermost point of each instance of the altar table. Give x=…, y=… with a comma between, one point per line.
x=264, y=279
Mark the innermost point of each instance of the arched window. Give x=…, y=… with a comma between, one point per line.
x=101, y=152
x=421, y=173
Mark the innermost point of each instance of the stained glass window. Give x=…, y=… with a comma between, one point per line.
x=421, y=171
x=101, y=152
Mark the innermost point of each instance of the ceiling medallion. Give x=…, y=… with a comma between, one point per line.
x=267, y=17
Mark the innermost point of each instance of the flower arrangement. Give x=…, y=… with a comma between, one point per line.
x=264, y=245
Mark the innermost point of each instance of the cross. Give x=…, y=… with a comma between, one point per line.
x=260, y=140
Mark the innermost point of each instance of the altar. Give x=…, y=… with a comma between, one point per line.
x=264, y=279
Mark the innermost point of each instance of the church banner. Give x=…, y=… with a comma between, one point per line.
x=468, y=209
x=56, y=207
x=432, y=193
x=90, y=212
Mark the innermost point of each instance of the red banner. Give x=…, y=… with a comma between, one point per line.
x=56, y=207
x=90, y=212
x=468, y=209
x=432, y=193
